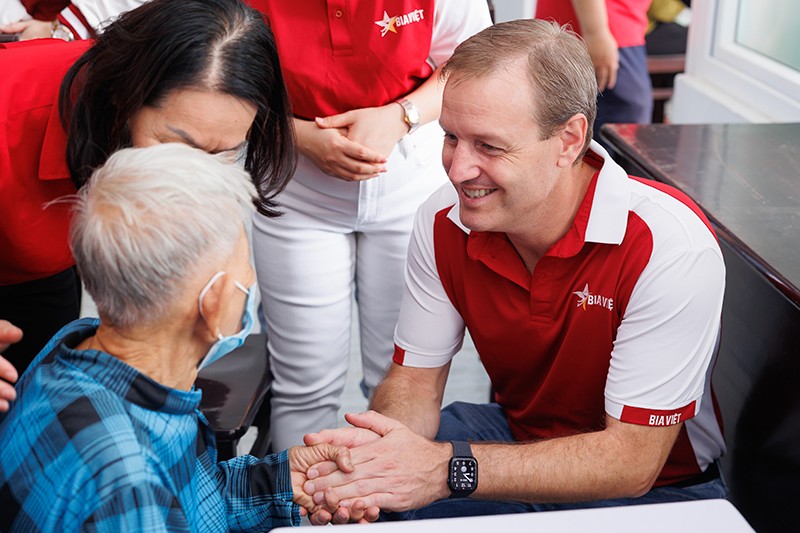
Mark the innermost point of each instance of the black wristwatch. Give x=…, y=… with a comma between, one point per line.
x=462, y=477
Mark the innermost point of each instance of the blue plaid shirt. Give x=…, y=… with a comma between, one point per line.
x=93, y=445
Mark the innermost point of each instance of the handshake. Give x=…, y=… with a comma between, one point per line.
x=351, y=474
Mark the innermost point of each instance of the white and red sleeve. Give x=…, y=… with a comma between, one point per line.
x=429, y=330
x=668, y=335
x=455, y=21
x=86, y=17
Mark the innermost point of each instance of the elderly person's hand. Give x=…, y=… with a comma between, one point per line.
x=351, y=437
x=9, y=334
x=358, y=512
x=335, y=458
x=301, y=458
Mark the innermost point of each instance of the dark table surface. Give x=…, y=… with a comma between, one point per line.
x=746, y=177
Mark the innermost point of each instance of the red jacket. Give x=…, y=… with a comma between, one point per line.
x=33, y=169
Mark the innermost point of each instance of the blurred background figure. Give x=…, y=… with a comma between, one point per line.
x=668, y=27
x=613, y=31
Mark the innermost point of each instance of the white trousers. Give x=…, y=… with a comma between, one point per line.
x=337, y=237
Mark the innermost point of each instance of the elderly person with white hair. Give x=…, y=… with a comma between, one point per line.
x=106, y=434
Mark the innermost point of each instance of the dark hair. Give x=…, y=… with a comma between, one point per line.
x=164, y=45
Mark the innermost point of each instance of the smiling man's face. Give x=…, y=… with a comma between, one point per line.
x=493, y=152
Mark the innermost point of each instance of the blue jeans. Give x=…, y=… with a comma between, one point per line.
x=487, y=422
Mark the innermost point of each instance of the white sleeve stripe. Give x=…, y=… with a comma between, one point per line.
x=75, y=23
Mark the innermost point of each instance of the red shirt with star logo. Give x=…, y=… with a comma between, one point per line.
x=339, y=55
x=619, y=318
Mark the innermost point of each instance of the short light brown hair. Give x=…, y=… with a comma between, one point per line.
x=559, y=68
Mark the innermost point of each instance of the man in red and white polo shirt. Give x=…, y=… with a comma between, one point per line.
x=593, y=299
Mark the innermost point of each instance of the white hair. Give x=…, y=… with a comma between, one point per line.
x=149, y=220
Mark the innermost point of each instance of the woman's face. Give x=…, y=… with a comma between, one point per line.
x=211, y=121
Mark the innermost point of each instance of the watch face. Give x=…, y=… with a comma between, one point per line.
x=59, y=33
x=463, y=473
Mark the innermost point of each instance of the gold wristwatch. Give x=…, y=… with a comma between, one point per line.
x=412, y=115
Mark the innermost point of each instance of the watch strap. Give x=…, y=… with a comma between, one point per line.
x=461, y=453
x=461, y=449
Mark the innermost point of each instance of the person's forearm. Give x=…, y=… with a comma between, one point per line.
x=623, y=461
x=301, y=130
x=264, y=485
x=412, y=397
x=428, y=98
x=401, y=470
x=593, y=21
x=592, y=16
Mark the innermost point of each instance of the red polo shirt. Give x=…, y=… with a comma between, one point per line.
x=627, y=19
x=338, y=55
x=620, y=316
x=44, y=9
x=33, y=170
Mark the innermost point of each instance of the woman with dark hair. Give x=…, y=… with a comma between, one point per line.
x=199, y=72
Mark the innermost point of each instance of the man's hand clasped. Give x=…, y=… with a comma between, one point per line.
x=303, y=458
x=393, y=469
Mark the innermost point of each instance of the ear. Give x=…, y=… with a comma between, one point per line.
x=213, y=305
x=571, y=137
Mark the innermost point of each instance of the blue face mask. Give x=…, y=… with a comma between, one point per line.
x=226, y=344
